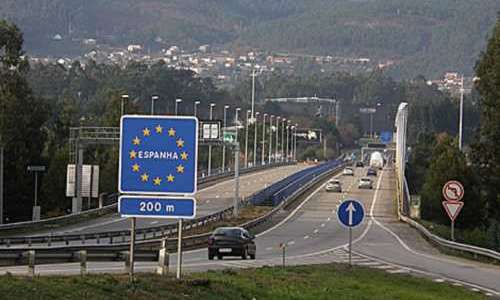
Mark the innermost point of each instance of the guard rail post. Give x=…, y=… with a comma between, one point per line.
x=163, y=258
x=126, y=258
x=31, y=262
x=82, y=257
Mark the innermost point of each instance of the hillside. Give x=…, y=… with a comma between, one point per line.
x=420, y=37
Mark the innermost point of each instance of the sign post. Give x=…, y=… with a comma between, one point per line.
x=157, y=171
x=453, y=192
x=350, y=214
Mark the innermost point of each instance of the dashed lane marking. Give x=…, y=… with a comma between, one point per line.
x=306, y=237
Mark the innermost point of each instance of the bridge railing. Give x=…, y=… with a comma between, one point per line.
x=148, y=240
x=50, y=223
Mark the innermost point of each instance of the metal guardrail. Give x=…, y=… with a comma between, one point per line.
x=147, y=248
x=93, y=213
x=441, y=242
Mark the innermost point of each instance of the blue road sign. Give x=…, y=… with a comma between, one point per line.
x=157, y=207
x=351, y=213
x=386, y=137
x=158, y=155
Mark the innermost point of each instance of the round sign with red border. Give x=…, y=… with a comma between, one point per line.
x=453, y=191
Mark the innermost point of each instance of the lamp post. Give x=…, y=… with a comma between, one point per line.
x=277, y=138
x=253, y=93
x=177, y=101
x=461, y=118
x=295, y=143
x=288, y=141
x=246, y=138
x=196, y=103
x=271, y=117
x=236, y=199
x=154, y=98
x=212, y=105
x=224, y=144
x=124, y=99
x=262, y=156
x=255, y=140
x=283, y=122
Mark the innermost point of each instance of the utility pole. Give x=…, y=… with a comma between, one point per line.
x=153, y=100
x=253, y=92
x=287, y=140
x=124, y=99
x=196, y=103
x=177, y=101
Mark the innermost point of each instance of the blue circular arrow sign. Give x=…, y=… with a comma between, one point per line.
x=351, y=213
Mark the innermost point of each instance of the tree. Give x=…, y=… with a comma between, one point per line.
x=448, y=163
x=22, y=117
x=486, y=153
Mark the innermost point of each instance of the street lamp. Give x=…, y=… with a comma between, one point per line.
x=277, y=138
x=461, y=118
x=255, y=140
x=124, y=99
x=237, y=110
x=287, y=140
x=271, y=117
x=283, y=122
x=253, y=94
x=262, y=156
x=212, y=105
x=295, y=143
x=196, y=103
x=224, y=144
x=36, y=208
x=153, y=99
x=177, y=101
x=246, y=138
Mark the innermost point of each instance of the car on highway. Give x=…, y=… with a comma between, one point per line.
x=365, y=183
x=334, y=186
x=231, y=241
x=359, y=164
x=371, y=172
x=348, y=172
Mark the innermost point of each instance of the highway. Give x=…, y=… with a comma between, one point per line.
x=210, y=199
x=313, y=235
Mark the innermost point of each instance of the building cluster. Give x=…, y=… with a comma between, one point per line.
x=452, y=82
x=226, y=67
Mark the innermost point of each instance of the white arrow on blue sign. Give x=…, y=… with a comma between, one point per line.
x=161, y=207
x=351, y=213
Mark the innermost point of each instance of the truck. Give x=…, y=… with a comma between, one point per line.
x=377, y=160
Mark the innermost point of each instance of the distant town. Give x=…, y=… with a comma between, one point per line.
x=229, y=67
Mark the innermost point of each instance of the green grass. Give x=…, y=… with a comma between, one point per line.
x=330, y=281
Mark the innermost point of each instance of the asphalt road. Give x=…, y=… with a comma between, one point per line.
x=314, y=236
x=209, y=200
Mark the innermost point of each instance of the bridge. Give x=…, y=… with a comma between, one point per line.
x=302, y=220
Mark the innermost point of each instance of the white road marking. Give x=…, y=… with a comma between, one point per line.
x=306, y=237
x=154, y=222
x=316, y=230
x=291, y=243
x=322, y=224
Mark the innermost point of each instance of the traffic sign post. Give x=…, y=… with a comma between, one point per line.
x=157, y=169
x=453, y=192
x=350, y=214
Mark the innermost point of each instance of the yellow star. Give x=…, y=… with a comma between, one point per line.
x=184, y=156
x=159, y=129
x=136, y=141
x=135, y=168
x=171, y=132
x=146, y=132
x=180, y=169
x=144, y=177
x=180, y=143
x=170, y=178
x=133, y=154
x=157, y=181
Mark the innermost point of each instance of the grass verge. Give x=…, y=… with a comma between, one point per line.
x=329, y=281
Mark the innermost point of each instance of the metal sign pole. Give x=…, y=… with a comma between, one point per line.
x=132, y=249
x=179, y=249
x=453, y=230
x=350, y=246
